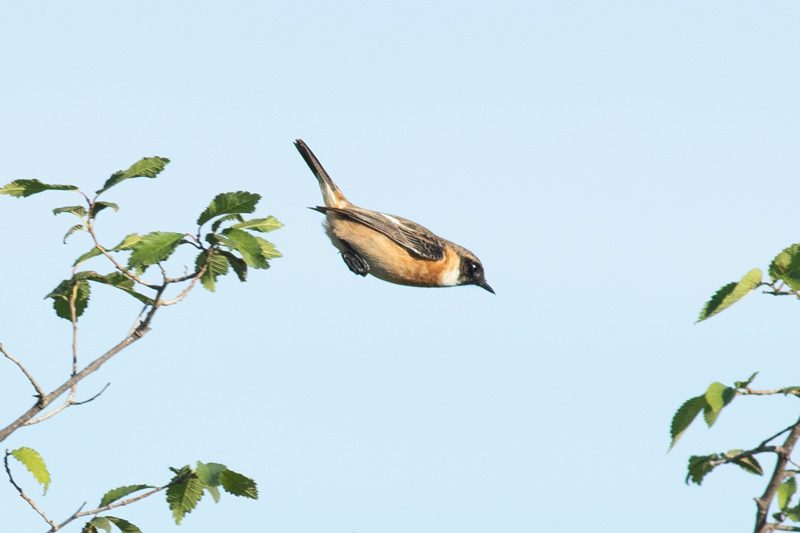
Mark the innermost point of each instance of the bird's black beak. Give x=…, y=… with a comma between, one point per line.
x=485, y=285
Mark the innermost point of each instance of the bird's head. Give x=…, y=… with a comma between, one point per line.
x=471, y=270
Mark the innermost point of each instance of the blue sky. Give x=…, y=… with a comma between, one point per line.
x=611, y=163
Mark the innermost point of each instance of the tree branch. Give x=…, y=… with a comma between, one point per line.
x=763, y=503
x=22, y=493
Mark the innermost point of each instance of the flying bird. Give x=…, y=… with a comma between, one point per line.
x=389, y=247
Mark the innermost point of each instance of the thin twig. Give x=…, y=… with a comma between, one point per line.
x=93, y=397
x=78, y=514
x=785, y=390
x=24, y=496
x=39, y=391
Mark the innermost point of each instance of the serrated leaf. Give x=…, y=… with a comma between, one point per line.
x=77, y=210
x=785, y=492
x=182, y=498
x=153, y=248
x=263, y=225
x=119, y=493
x=236, y=216
x=94, y=252
x=718, y=395
x=217, y=266
x=792, y=513
x=34, y=463
x=684, y=416
x=148, y=167
x=699, y=466
x=73, y=229
x=228, y=203
x=786, y=266
x=124, y=525
x=747, y=463
x=123, y=283
x=730, y=294
x=24, y=188
x=214, y=491
x=247, y=245
x=746, y=383
x=237, y=484
x=62, y=295
x=268, y=249
x=208, y=473
x=127, y=243
x=99, y=206
x=238, y=265
x=101, y=522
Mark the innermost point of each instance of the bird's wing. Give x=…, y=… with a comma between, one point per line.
x=411, y=236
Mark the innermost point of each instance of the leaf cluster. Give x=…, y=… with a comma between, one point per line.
x=232, y=244
x=184, y=491
x=784, y=275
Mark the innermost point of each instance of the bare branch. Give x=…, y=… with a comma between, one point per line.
x=785, y=390
x=39, y=391
x=24, y=496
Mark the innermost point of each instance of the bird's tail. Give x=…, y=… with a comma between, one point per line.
x=330, y=192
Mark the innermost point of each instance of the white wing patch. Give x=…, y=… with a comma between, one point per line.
x=391, y=219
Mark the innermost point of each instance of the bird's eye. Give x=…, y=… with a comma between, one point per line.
x=474, y=267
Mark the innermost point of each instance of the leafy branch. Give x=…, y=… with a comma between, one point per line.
x=184, y=491
x=784, y=280
x=226, y=247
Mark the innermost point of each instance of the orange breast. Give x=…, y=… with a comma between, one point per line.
x=387, y=260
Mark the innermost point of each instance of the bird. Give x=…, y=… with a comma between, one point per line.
x=390, y=247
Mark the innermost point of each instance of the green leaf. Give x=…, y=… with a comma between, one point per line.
x=238, y=485
x=127, y=243
x=94, y=252
x=123, y=283
x=718, y=395
x=62, y=295
x=149, y=167
x=746, y=383
x=73, y=229
x=99, y=206
x=260, y=224
x=684, y=417
x=101, y=522
x=124, y=525
x=699, y=466
x=89, y=528
x=268, y=249
x=208, y=474
x=119, y=493
x=77, y=210
x=247, y=245
x=34, y=463
x=153, y=248
x=236, y=216
x=792, y=513
x=730, y=294
x=214, y=491
x=23, y=188
x=217, y=266
x=183, y=497
x=238, y=265
x=785, y=492
x=747, y=463
x=786, y=266
x=228, y=203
